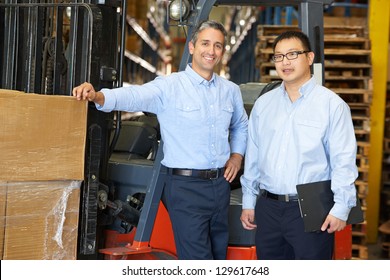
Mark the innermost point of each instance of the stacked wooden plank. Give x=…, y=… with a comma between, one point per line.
x=347, y=65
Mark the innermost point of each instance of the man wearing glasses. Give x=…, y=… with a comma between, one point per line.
x=300, y=132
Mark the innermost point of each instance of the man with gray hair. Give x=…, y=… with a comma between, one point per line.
x=204, y=128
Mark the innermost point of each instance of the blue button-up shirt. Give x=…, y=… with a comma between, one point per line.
x=309, y=140
x=202, y=122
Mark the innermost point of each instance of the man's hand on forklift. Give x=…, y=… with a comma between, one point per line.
x=86, y=91
x=232, y=167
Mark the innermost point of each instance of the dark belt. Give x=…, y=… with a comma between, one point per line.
x=279, y=197
x=207, y=174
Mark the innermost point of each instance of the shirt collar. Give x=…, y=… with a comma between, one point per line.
x=196, y=78
x=305, y=89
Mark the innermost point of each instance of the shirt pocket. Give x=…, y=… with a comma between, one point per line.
x=309, y=123
x=310, y=133
x=225, y=117
x=188, y=114
x=228, y=109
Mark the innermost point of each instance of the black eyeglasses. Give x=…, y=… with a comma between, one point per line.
x=289, y=56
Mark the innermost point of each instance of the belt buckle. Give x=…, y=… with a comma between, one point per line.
x=214, y=174
x=286, y=198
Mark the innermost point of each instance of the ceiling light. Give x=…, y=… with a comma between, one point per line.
x=68, y=12
x=179, y=9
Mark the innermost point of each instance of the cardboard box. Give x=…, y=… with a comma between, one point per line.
x=42, y=143
x=41, y=220
x=42, y=137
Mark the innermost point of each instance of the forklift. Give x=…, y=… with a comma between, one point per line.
x=49, y=48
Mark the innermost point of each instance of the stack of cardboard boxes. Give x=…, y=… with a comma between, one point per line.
x=42, y=146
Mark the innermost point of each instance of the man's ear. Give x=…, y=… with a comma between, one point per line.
x=311, y=56
x=191, y=47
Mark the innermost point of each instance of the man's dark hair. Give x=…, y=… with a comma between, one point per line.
x=291, y=35
x=209, y=24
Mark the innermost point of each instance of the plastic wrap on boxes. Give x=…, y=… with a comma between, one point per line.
x=39, y=220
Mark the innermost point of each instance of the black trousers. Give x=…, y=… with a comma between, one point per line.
x=198, y=210
x=280, y=233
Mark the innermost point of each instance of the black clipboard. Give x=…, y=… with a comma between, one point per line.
x=316, y=200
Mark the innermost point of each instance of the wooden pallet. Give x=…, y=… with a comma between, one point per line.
x=385, y=201
x=386, y=145
x=361, y=120
x=331, y=42
x=385, y=175
x=384, y=229
x=362, y=135
x=329, y=31
x=360, y=109
x=363, y=148
x=269, y=78
x=352, y=95
x=346, y=42
x=363, y=202
x=362, y=174
x=359, y=252
x=361, y=84
x=344, y=55
x=362, y=227
x=361, y=187
x=266, y=66
x=359, y=238
x=362, y=162
x=346, y=69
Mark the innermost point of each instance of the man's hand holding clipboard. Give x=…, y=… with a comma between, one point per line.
x=315, y=202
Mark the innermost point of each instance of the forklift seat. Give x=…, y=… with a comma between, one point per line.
x=136, y=139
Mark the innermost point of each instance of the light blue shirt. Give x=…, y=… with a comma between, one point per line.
x=310, y=140
x=202, y=122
